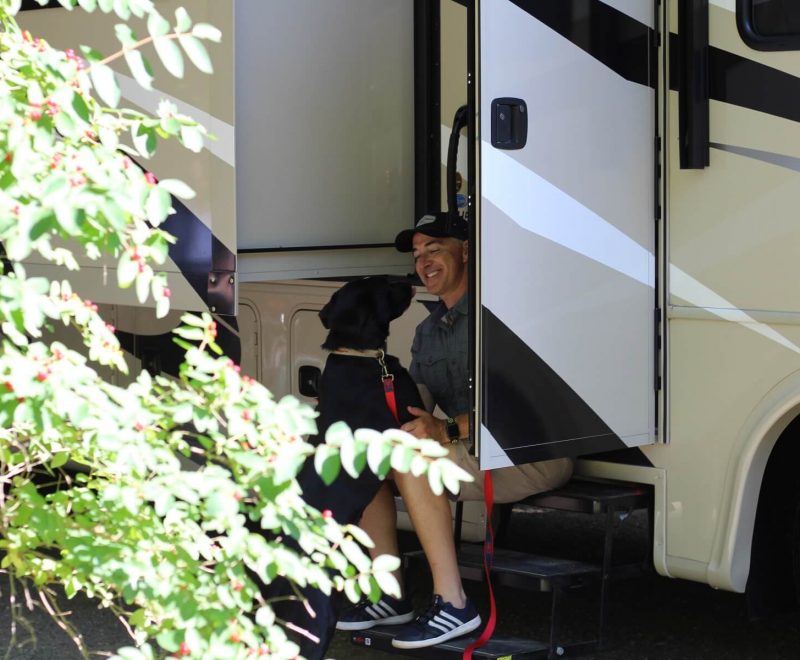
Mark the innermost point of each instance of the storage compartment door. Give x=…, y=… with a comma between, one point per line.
x=566, y=228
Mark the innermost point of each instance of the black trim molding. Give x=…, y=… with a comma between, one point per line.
x=531, y=412
x=427, y=104
x=620, y=42
x=693, y=105
x=741, y=81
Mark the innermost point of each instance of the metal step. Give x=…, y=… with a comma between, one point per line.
x=590, y=496
x=520, y=569
x=380, y=638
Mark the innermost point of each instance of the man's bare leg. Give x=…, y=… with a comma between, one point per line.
x=433, y=524
x=379, y=520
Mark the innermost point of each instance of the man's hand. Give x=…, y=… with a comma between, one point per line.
x=426, y=426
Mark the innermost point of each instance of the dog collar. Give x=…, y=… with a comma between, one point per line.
x=386, y=378
x=377, y=354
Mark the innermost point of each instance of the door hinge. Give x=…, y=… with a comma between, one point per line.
x=657, y=346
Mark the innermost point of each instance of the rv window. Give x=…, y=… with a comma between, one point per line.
x=769, y=24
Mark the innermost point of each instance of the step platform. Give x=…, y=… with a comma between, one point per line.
x=519, y=569
x=590, y=496
x=380, y=638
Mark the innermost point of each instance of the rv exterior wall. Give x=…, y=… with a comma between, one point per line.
x=208, y=99
x=732, y=336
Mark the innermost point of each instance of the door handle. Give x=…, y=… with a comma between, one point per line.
x=509, y=123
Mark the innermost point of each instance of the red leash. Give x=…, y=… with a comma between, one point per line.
x=388, y=386
x=488, y=493
x=488, y=557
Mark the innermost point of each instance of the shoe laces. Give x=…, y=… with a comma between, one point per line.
x=437, y=603
x=364, y=602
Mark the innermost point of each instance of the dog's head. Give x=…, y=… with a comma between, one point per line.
x=358, y=315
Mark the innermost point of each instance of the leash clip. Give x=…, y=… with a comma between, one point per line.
x=385, y=375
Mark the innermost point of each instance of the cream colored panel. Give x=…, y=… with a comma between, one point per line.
x=718, y=373
x=249, y=337
x=733, y=227
x=212, y=178
x=743, y=127
x=306, y=341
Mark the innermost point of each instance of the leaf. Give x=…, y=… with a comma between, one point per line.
x=127, y=269
x=265, y=616
x=435, y=478
x=348, y=456
x=68, y=217
x=65, y=124
x=177, y=187
x=206, y=31
x=386, y=563
x=378, y=457
x=170, y=56
x=140, y=68
x=59, y=459
x=157, y=25
x=192, y=138
x=327, y=464
x=401, y=458
x=183, y=21
x=79, y=106
x=158, y=205
x=105, y=84
x=143, y=285
x=144, y=139
x=162, y=307
x=352, y=591
x=388, y=584
x=196, y=52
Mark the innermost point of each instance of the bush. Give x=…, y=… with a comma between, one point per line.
x=97, y=497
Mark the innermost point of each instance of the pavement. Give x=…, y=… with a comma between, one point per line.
x=650, y=617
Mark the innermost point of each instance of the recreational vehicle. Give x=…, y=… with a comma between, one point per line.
x=630, y=170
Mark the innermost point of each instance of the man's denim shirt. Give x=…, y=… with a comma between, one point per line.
x=439, y=357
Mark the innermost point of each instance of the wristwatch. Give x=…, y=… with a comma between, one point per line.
x=452, y=430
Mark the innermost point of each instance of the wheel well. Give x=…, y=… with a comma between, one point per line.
x=772, y=585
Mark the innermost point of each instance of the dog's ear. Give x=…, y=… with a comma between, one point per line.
x=399, y=296
x=324, y=313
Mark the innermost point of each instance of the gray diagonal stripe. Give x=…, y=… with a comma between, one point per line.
x=789, y=162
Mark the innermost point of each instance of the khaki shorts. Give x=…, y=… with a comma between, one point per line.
x=511, y=484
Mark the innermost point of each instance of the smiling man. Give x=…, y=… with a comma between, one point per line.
x=440, y=367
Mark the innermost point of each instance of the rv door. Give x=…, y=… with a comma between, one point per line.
x=566, y=230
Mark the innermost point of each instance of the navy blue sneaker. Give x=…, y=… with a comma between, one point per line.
x=387, y=611
x=440, y=622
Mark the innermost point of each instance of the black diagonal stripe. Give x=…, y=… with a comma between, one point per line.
x=740, y=81
x=620, y=42
x=205, y=262
x=528, y=408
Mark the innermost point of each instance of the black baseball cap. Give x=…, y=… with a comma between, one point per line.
x=441, y=224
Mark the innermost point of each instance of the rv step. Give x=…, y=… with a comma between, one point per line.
x=589, y=496
x=520, y=569
x=380, y=638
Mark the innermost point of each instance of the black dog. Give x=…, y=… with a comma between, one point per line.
x=351, y=390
